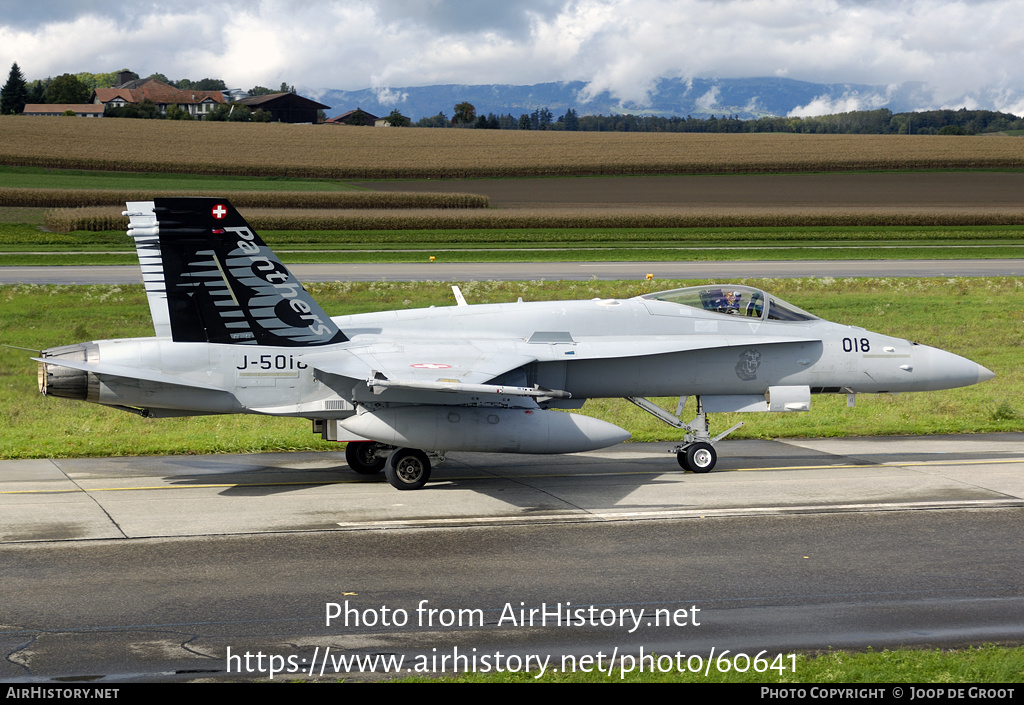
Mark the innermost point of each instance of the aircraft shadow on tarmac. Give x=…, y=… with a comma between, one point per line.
x=485, y=474
x=631, y=480
x=527, y=483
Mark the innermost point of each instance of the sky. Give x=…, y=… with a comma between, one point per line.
x=952, y=54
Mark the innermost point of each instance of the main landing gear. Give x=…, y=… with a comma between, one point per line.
x=367, y=457
x=405, y=468
x=697, y=451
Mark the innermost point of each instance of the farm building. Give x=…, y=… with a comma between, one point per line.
x=386, y=121
x=354, y=117
x=198, y=103
x=285, y=107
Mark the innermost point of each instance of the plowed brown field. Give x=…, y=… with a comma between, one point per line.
x=937, y=198
x=917, y=191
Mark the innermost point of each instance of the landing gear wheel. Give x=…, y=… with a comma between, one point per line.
x=681, y=459
x=362, y=458
x=701, y=457
x=407, y=469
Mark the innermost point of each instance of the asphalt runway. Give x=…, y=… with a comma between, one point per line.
x=155, y=567
x=555, y=271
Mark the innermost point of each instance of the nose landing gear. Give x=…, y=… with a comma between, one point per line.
x=698, y=457
x=697, y=451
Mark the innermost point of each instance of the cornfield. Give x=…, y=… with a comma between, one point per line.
x=103, y=219
x=71, y=198
x=326, y=151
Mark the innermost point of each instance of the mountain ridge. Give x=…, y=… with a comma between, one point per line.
x=745, y=98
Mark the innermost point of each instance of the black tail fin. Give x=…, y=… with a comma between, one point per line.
x=210, y=278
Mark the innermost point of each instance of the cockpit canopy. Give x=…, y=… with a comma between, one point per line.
x=733, y=300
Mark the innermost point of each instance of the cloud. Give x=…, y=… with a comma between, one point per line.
x=708, y=102
x=468, y=17
x=960, y=50
x=386, y=96
x=846, y=103
x=29, y=15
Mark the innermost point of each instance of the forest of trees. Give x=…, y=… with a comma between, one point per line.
x=865, y=122
x=465, y=116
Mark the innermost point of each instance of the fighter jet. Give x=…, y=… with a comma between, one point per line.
x=235, y=332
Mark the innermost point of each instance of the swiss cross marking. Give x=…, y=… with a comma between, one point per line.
x=219, y=211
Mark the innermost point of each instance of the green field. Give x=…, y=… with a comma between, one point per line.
x=39, y=177
x=985, y=664
x=25, y=244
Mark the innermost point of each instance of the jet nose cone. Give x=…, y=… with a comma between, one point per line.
x=944, y=370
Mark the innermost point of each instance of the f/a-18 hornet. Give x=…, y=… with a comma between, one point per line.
x=235, y=332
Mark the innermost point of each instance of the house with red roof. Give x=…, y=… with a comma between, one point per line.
x=197, y=103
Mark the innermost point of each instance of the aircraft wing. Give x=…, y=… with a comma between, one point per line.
x=461, y=362
x=432, y=368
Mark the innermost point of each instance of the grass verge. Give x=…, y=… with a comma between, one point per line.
x=982, y=664
x=552, y=244
x=645, y=254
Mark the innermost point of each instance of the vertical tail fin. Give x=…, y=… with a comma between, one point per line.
x=210, y=278
x=142, y=227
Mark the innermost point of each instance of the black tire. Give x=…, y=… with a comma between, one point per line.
x=681, y=459
x=407, y=469
x=361, y=458
x=701, y=457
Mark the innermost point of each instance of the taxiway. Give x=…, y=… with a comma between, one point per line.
x=187, y=495
x=154, y=568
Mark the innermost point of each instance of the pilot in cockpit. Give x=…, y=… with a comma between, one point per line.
x=732, y=302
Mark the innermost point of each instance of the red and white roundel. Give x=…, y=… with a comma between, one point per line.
x=431, y=366
x=219, y=211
